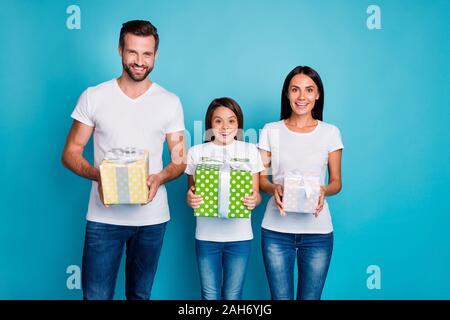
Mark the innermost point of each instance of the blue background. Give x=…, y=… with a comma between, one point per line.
x=387, y=90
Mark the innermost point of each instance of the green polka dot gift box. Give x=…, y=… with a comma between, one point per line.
x=222, y=186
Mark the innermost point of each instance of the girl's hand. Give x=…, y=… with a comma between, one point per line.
x=321, y=201
x=193, y=200
x=278, y=195
x=251, y=201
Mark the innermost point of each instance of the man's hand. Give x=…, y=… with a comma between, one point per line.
x=153, y=183
x=100, y=193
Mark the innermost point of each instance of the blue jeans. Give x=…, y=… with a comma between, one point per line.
x=313, y=253
x=222, y=267
x=103, y=248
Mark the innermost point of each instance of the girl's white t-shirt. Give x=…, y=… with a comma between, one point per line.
x=306, y=153
x=219, y=229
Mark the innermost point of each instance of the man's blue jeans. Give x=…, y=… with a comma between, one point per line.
x=103, y=248
x=313, y=253
x=222, y=267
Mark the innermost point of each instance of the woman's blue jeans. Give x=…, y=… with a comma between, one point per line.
x=222, y=267
x=313, y=253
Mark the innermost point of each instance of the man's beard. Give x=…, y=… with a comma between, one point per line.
x=133, y=76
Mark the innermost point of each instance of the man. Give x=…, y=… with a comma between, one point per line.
x=130, y=111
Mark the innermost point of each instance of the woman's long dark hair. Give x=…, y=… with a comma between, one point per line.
x=229, y=104
x=317, y=111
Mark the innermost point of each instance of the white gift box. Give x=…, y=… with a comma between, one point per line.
x=301, y=193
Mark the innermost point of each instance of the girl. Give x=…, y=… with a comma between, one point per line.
x=223, y=245
x=300, y=141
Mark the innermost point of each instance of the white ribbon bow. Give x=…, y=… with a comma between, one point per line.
x=124, y=155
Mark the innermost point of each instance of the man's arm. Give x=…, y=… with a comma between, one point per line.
x=72, y=157
x=176, y=167
x=177, y=148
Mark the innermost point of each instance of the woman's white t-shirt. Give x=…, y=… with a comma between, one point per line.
x=218, y=229
x=306, y=153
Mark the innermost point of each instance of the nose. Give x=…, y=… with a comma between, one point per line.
x=139, y=60
x=302, y=95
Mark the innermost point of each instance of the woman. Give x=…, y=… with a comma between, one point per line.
x=299, y=142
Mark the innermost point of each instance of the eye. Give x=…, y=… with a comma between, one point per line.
x=294, y=89
x=232, y=121
x=310, y=90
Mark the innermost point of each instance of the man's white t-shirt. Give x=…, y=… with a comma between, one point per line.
x=120, y=121
x=219, y=229
x=306, y=153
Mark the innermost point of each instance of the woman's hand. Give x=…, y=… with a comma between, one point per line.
x=278, y=195
x=321, y=201
x=193, y=200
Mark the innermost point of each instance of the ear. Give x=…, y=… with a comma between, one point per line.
x=120, y=50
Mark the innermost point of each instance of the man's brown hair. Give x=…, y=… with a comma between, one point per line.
x=139, y=28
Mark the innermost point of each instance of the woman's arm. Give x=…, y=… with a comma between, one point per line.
x=334, y=179
x=334, y=173
x=266, y=185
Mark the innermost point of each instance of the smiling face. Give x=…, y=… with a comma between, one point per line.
x=138, y=56
x=302, y=94
x=224, y=124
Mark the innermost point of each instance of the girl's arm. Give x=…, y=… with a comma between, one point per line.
x=255, y=199
x=192, y=199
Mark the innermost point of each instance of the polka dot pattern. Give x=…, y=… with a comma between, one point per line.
x=294, y=197
x=130, y=184
x=207, y=185
x=241, y=186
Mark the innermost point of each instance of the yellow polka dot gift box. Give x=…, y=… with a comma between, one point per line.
x=300, y=192
x=123, y=173
x=222, y=187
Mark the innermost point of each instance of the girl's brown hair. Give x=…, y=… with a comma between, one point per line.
x=229, y=104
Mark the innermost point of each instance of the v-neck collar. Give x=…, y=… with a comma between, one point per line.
x=116, y=83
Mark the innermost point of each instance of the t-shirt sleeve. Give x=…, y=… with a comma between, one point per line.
x=264, y=141
x=176, y=121
x=191, y=162
x=335, y=142
x=83, y=110
x=257, y=164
